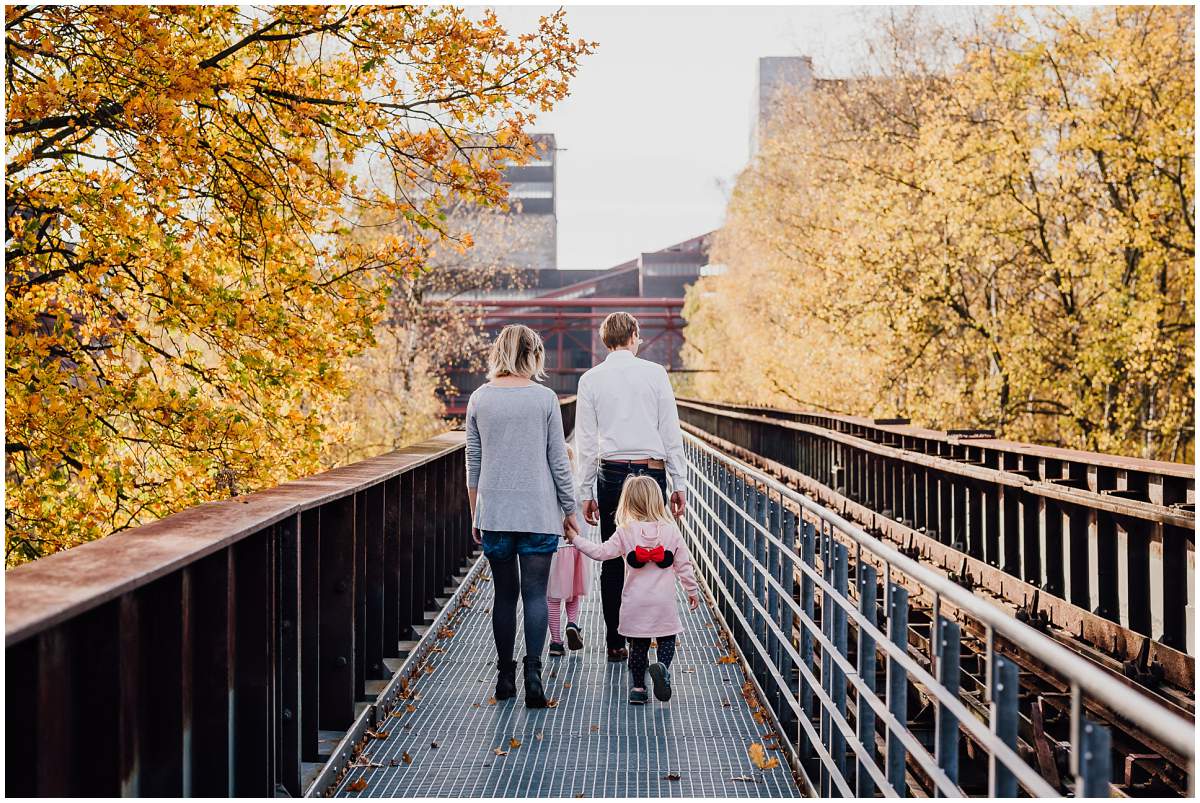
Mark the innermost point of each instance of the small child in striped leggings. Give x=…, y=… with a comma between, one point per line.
x=568, y=583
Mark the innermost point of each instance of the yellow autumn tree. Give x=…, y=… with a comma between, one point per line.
x=184, y=282
x=396, y=387
x=1003, y=237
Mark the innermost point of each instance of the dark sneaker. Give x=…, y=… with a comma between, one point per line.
x=662, y=681
x=638, y=697
x=557, y=649
x=574, y=636
x=618, y=655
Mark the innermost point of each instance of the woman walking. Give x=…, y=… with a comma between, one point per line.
x=522, y=497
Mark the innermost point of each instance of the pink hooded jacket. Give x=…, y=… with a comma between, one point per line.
x=648, y=605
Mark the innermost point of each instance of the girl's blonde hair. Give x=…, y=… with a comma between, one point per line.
x=518, y=351
x=641, y=500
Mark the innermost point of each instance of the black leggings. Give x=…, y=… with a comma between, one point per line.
x=639, y=654
x=529, y=583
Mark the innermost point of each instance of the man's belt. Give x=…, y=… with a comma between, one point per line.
x=648, y=462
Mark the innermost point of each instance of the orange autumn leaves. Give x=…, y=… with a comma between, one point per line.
x=185, y=281
x=989, y=226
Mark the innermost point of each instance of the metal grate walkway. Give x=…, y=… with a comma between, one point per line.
x=593, y=744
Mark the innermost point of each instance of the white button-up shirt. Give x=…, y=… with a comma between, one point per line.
x=626, y=411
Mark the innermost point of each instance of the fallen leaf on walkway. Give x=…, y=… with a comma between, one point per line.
x=595, y=729
x=429, y=669
x=514, y=742
x=362, y=762
x=671, y=776
x=474, y=705
x=708, y=624
x=579, y=794
x=410, y=708
x=745, y=778
x=357, y=785
x=758, y=756
x=499, y=752
x=691, y=670
x=394, y=763
x=567, y=685
x=727, y=659
x=759, y=717
x=491, y=701
x=405, y=757
x=445, y=632
x=538, y=736
x=408, y=726
x=436, y=649
x=726, y=704
x=553, y=673
x=377, y=734
x=434, y=745
x=552, y=702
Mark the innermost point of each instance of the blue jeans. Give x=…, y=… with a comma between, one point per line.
x=501, y=544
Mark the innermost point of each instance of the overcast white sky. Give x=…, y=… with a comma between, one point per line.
x=658, y=122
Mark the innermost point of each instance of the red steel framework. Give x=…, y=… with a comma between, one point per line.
x=564, y=322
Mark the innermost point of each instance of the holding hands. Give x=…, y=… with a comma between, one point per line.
x=570, y=527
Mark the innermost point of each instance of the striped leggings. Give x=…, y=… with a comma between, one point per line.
x=556, y=613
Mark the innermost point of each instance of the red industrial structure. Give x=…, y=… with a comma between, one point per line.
x=568, y=317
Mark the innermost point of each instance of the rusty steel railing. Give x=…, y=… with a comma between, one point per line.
x=856, y=648
x=210, y=652
x=1099, y=545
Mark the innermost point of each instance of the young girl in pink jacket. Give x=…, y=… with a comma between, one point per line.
x=655, y=555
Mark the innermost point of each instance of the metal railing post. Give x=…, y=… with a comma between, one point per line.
x=1095, y=761
x=838, y=626
x=949, y=637
x=808, y=539
x=1004, y=723
x=867, y=591
x=897, y=685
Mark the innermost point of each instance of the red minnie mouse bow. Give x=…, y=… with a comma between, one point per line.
x=649, y=555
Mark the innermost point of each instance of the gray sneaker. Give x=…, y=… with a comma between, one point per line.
x=574, y=636
x=638, y=697
x=662, y=681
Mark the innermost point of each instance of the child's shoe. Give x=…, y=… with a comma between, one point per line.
x=557, y=650
x=662, y=681
x=574, y=636
x=638, y=697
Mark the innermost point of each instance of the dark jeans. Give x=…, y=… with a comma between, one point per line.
x=520, y=570
x=609, y=482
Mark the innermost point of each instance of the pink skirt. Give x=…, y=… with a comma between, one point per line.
x=569, y=574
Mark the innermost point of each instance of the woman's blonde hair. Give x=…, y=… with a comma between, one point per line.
x=641, y=500
x=518, y=351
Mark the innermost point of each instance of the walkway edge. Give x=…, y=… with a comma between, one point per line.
x=785, y=743
x=344, y=752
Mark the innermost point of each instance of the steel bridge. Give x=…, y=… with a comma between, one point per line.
x=891, y=611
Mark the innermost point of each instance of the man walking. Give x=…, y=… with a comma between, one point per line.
x=626, y=423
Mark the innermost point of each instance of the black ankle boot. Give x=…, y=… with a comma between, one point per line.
x=506, y=680
x=535, y=695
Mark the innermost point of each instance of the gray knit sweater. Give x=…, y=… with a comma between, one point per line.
x=517, y=458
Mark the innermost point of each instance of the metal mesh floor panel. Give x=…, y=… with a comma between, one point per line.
x=593, y=744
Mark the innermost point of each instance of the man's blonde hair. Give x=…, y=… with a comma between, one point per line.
x=618, y=329
x=641, y=500
x=518, y=351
